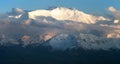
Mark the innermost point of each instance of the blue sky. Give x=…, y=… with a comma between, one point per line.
x=89, y=6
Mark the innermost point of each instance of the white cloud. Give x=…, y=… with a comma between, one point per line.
x=115, y=13
x=111, y=9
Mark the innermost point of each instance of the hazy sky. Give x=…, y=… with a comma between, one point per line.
x=89, y=6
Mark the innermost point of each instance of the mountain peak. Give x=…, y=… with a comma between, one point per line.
x=62, y=13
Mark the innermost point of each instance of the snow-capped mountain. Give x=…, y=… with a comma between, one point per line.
x=61, y=13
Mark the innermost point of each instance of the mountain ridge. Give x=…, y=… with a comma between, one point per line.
x=61, y=13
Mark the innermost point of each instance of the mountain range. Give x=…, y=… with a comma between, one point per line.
x=59, y=28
